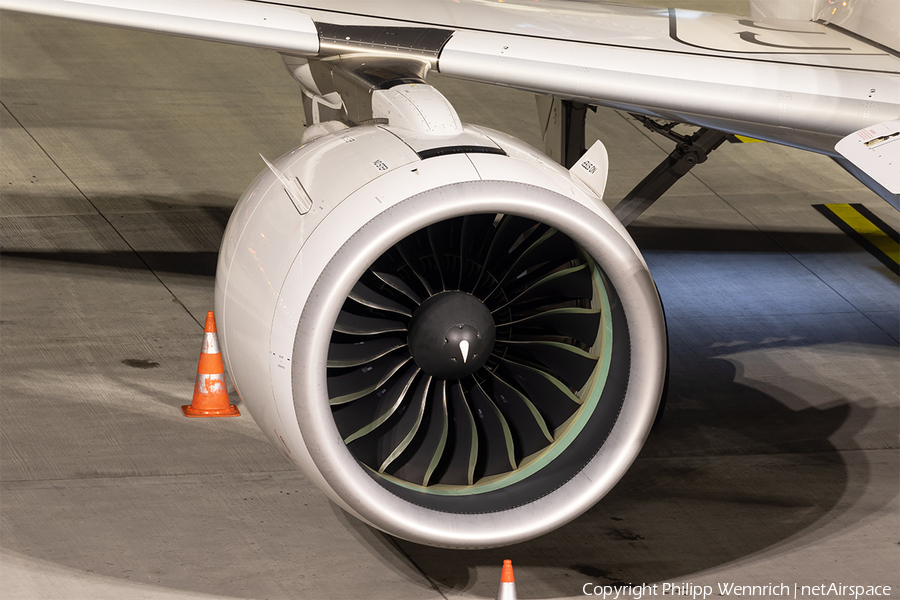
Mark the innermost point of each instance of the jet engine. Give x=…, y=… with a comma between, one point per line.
x=450, y=334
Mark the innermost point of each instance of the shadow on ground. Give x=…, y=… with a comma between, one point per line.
x=729, y=473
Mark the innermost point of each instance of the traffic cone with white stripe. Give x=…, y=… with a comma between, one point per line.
x=210, y=396
x=507, y=583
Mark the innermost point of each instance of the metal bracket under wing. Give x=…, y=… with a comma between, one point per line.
x=354, y=61
x=562, y=128
x=690, y=151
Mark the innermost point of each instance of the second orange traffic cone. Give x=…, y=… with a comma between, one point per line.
x=210, y=396
x=507, y=583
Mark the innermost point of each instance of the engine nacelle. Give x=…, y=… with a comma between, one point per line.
x=457, y=342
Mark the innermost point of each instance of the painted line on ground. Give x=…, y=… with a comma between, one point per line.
x=870, y=232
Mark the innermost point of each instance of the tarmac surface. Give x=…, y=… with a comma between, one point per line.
x=122, y=155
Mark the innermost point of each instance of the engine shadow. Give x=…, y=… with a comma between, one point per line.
x=167, y=235
x=184, y=263
x=730, y=473
x=756, y=241
x=198, y=221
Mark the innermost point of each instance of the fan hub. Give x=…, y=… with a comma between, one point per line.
x=451, y=335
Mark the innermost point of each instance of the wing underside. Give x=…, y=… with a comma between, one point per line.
x=799, y=83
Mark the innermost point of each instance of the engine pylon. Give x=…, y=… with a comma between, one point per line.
x=507, y=582
x=210, y=395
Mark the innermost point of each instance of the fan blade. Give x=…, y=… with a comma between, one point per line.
x=526, y=423
x=407, y=427
x=441, y=238
x=580, y=324
x=348, y=322
x=574, y=282
x=398, y=284
x=368, y=413
x=555, y=401
x=372, y=299
x=510, y=234
x=496, y=450
x=476, y=231
x=550, y=250
x=362, y=381
x=445, y=430
x=572, y=364
x=360, y=353
x=422, y=455
x=411, y=262
x=461, y=454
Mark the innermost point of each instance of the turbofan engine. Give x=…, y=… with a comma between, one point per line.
x=448, y=333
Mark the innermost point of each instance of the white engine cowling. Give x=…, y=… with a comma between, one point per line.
x=459, y=344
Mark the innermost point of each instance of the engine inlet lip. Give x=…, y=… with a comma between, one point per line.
x=351, y=485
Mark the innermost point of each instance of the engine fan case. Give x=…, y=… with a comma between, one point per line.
x=282, y=278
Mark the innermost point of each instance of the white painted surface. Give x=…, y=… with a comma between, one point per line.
x=233, y=21
x=417, y=108
x=592, y=168
x=876, y=150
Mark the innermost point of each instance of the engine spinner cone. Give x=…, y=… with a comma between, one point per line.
x=451, y=335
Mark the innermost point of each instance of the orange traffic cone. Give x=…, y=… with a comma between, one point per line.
x=507, y=583
x=210, y=396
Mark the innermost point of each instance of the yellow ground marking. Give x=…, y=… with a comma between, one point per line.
x=749, y=140
x=867, y=229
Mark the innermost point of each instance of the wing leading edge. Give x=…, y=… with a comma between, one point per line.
x=260, y=25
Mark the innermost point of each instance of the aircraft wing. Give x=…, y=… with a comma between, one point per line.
x=798, y=83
